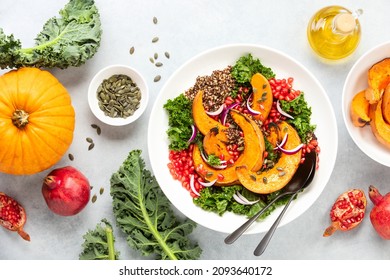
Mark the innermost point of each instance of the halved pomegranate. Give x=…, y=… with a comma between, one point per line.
x=12, y=215
x=347, y=212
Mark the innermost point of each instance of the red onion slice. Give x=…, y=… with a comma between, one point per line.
x=292, y=151
x=207, y=184
x=280, y=110
x=192, y=185
x=193, y=135
x=243, y=200
x=223, y=164
x=226, y=112
x=217, y=112
x=282, y=143
x=248, y=106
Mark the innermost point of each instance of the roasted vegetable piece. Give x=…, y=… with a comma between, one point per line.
x=379, y=127
x=378, y=79
x=359, y=110
x=278, y=176
x=37, y=121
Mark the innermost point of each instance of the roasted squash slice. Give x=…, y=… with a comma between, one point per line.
x=359, y=110
x=277, y=177
x=252, y=156
x=386, y=104
x=215, y=137
x=262, y=96
x=379, y=127
x=378, y=79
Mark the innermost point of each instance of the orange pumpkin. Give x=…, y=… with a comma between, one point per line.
x=37, y=121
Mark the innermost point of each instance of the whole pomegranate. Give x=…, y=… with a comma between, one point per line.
x=380, y=213
x=66, y=191
x=12, y=215
x=347, y=212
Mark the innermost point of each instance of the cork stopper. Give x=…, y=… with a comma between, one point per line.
x=344, y=23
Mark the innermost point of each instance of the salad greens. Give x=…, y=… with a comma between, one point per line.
x=246, y=66
x=143, y=213
x=68, y=40
x=179, y=120
x=301, y=112
x=99, y=243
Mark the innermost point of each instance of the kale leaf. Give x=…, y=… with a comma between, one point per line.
x=301, y=112
x=68, y=40
x=246, y=66
x=99, y=243
x=144, y=214
x=179, y=120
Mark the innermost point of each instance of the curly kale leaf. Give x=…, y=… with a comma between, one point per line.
x=144, y=214
x=179, y=120
x=246, y=66
x=68, y=40
x=99, y=243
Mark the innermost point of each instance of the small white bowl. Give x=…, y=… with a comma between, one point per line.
x=106, y=73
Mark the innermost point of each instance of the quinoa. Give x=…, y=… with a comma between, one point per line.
x=216, y=87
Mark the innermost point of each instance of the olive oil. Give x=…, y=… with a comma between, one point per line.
x=334, y=32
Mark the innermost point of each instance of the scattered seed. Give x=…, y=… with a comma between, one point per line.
x=167, y=55
x=155, y=20
x=155, y=55
x=101, y=191
x=282, y=173
x=90, y=147
x=89, y=140
x=253, y=178
x=91, y=187
x=98, y=130
x=151, y=59
x=71, y=157
x=157, y=78
x=159, y=64
x=132, y=50
x=154, y=40
x=265, y=180
x=279, y=168
x=94, y=197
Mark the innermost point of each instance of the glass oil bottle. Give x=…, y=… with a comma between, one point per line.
x=334, y=32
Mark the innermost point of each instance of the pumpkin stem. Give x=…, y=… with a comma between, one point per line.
x=20, y=118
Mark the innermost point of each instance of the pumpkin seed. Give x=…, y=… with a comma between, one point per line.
x=94, y=198
x=89, y=140
x=159, y=64
x=167, y=55
x=91, y=146
x=118, y=96
x=155, y=20
x=155, y=55
x=132, y=49
x=71, y=157
x=151, y=59
x=265, y=180
x=253, y=178
x=157, y=78
x=155, y=40
x=101, y=191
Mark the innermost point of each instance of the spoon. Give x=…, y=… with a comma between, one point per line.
x=297, y=182
x=309, y=162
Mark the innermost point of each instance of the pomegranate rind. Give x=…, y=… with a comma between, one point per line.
x=6, y=200
x=347, y=212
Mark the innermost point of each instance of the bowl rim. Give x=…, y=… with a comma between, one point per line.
x=106, y=72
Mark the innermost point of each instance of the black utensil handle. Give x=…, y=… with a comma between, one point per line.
x=239, y=231
x=267, y=237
